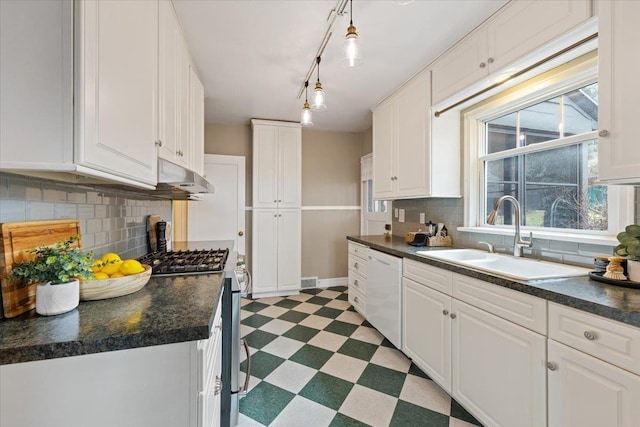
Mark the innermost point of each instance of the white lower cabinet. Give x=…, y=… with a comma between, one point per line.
x=358, y=256
x=587, y=392
x=498, y=367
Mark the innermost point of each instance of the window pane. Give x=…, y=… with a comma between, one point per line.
x=502, y=179
x=506, y=212
x=581, y=110
x=540, y=122
x=501, y=133
x=559, y=165
x=502, y=170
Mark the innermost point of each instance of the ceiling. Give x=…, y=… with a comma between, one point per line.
x=253, y=55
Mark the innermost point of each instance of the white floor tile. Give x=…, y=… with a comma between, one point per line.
x=345, y=367
x=270, y=300
x=300, y=297
x=351, y=317
x=277, y=326
x=245, y=313
x=246, y=330
x=304, y=412
x=454, y=422
x=425, y=393
x=329, y=294
x=305, y=307
x=316, y=322
x=392, y=359
x=328, y=340
x=291, y=376
x=245, y=301
x=283, y=347
x=366, y=334
x=339, y=304
x=253, y=381
x=244, y=421
x=369, y=406
x=273, y=311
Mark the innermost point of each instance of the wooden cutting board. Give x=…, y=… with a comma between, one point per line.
x=16, y=238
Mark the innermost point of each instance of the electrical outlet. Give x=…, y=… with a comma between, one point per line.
x=395, y=212
x=422, y=216
x=401, y=215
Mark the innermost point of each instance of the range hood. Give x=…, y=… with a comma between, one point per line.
x=179, y=183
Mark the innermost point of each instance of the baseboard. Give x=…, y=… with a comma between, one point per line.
x=334, y=281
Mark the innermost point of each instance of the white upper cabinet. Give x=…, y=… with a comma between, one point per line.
x=619, y=89
x=116, y=97
x=517, y=30
x=196, y=113
x=277, y=158
x=408, y=162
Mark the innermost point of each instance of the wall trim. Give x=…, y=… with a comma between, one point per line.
x=330, y=208
x=334, y=281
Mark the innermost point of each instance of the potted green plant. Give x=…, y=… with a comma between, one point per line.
x=56, y=269
x=629, y=247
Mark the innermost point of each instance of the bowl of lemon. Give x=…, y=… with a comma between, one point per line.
x=114, y=277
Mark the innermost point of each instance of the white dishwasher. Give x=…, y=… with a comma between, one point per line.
x=384, y=295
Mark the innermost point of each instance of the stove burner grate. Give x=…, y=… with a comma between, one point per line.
x=186, y=262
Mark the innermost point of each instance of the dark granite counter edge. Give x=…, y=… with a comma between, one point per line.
x=533, y=288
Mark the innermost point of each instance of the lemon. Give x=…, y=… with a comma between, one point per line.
x=118, y=274
x=96, y=266
x=131, y=266
x=111, y=263
x=100, y=275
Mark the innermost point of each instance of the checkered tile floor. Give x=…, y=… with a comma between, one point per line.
x=316, y=362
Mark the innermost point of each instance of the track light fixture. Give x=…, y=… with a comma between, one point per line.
x=305, y=116
x=352, y=52
x=319, y=101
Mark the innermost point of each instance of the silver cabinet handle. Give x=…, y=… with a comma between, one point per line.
x=445, y=312
x=603, y=133
x=245, y=387
x=552, y=366
x=275, y=201
x=279, y=201
x=159, y=143
x=453, y=315
x=482, y=65
x=490, y=61
x=217, y=388
x=355, y=265
x=355, y=299
x=590, y=335
x=355, y=282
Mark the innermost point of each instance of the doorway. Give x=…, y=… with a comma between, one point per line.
x=374, y=213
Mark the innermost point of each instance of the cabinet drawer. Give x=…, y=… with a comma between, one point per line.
x=358, y=282
x=358, y=265
x=606, y=339
x=517, y=307
x=358, y=250
x=425, y=274
x=358, y=301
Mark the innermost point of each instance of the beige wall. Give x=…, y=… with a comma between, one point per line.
x=367, y=141
x=330, y=177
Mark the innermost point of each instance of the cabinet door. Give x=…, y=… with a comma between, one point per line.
x=462, y=66
x=384, y=150
x=499, y=371
x=413, y=137
x=289, y=249
x=289, y=167
x=619, y=34
x=265, y=250
x=196, y=116
x=265, y=166
x=184, y=124
x=426, y=328
x=587, y=392
x=117, y=92
x=169, y=34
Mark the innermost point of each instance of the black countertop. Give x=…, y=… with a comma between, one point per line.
x=614, y=302
x=167, y=310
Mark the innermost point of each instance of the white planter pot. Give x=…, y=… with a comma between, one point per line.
x=633, y=270
x=57, y=299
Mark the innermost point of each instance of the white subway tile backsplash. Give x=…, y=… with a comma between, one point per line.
x=12, y=210
x=39, y=211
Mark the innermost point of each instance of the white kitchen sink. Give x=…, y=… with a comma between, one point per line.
x=523, y=269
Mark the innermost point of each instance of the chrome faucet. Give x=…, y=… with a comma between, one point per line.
x=518, y=243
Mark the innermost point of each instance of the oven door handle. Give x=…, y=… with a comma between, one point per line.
x=245, y=388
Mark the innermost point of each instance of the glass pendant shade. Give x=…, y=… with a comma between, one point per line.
x=352, y=53
x=318, y=103
x=305, y=116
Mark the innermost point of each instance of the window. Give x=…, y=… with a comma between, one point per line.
x=538, y=143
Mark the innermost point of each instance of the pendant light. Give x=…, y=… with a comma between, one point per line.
x=352, y=54
x=319, y=95
x=305, y=116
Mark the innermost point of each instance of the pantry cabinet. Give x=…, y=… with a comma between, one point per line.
x=407, y=161
x=517, y=30
x=196, y=116
x=619, y=35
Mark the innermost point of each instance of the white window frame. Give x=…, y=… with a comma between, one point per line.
x=621, y=198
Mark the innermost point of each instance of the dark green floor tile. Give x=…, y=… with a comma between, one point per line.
x=386, y=343
x=382, y=379
x=457, y=411
x=256, y=320
x=262, y=364
x=351, y=309
x=287, y=303
x=331, y=313
x=258, y=339
x=341, y=420
x=367, y=324
x=312, y=356
x=409, y=415
x=301, y=333
x=358, y=349
x=414, y=370
x=318, y=300
x=255, y=306
x=338, y=288
x=293, y=316
x=342, y=328
x=327, y=390
x=343, y=297
x=312, y=291
x=265, y=402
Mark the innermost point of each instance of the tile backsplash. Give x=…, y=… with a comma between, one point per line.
x=110, y=220
x=451, y=213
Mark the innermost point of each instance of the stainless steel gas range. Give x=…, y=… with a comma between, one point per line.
x=194, y=258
